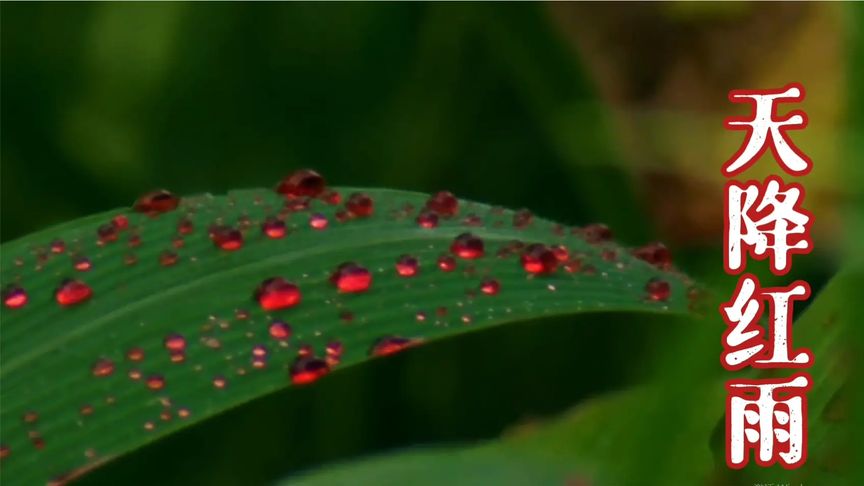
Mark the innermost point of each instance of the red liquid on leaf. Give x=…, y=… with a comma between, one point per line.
x=467, y=246
x=71, y=292
x=302, y=183
x=351, y=278
x=407, y=266
x=539, y=259
x=277, y=293
x=156, y=202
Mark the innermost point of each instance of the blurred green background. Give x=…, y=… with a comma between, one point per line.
x=580, y=112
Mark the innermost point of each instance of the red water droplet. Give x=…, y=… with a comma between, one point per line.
x=407, y=266
x=130, y=259
x=121, y=222
x=71, y=292
x=220, y=382
x=168, y=258
x=420, y=317
x=82, y=264
x=490, y=286
x=107, y=233
x=58, y=246
x=331, y=197
x=335, y=348
x=360, y=205
x=656, y=254
x=342, y=215
x=156, y=202
x=350, y=277
x=539, y=259
x=134, y=240
x=609, y=255
x=446, y=263
x=259, y=351
x=135, y=354
x=296, y=205
x=522, y=218
x=467, y=246
x=562, y=254
x=102, y=367
x=280, y=330
x=658, y=290
x=4, y=451
x=318, y=221
x=277, y=293
x=14, y=297
x=302, y=183
x=185, y=226
x=573, y=265
x=134, y=374
x=273, y=227
x=444, y=203
x=305, y=351
x=597, y=233
x=178, y=242
x=391, y=344
x=226, y=238
x=472, y=220
x=183, y=413
x=86, y=410
x=155, y=382
x=427, y=219
x=175, y=343
x=307, y=369
x=241, y=314
x=346, y=316
x=30, y=417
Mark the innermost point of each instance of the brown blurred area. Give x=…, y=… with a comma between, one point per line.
x=665, y=70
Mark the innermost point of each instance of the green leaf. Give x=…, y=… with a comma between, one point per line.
x=49, y=350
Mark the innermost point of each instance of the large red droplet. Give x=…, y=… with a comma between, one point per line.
x=656, y=254
x=391, y=344
x=360, y=205
x=539, y=259
x=351, y=278
x=307, y=369
x=467, y=246
x=226, y=238
x=407, y=266
x=302, y=183
x=277, y=293
x=156, y=202
x=444, y=203
x=658, y=290
x=71, y=292
x=14, y=296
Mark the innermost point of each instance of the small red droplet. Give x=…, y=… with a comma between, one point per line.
x=467, y=246
x=407, y=266
x=107, y=233
x=14, y=297
x=82, y=264
x=134, y=240
x=30, y=417
x=71, y=292
x=4, y=451
x=277, y=293
x=539, y=259
x=522, y=218
x=220, y=382
x=490, y=286
x=155, y=382
x=597, y=233
x=280, y=330
x=446, y=263
x=307, y=369
x=656, y=254
x=58, y=246
x=302, y=183
x=103, y=367
x=121, y=222
x=185, y=226
x=427, y=219
x=331, y=197
x=168, y=258
x=273, y=227
x=444, y=203
x=318, y=221
x=562, y=254
x=156, y=202
x=360, y=205
x=351, y=278
x=658, y=290
x=135, y=354
x=226, y=238
x=175, y=343
x=391, y=345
